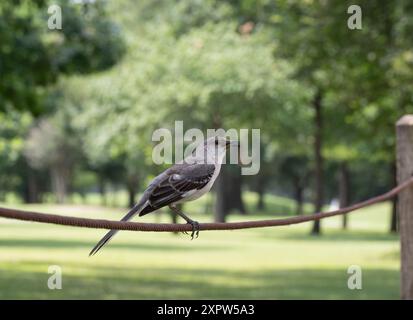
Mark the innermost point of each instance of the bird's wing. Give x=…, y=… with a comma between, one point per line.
x=176, y=182
x=169, y=187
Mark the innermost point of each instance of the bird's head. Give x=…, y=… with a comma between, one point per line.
x=216, y=147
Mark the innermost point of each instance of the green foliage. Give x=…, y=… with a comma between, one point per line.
x=32, y=57
x=48, y=144
x=12, y=129
x=88, y=42
x=206, y=74
x=118, y=70
x=214, y=72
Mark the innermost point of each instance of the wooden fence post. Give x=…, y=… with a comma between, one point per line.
x=404, y=131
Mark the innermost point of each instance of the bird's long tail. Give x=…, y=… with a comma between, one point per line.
x=132, y=212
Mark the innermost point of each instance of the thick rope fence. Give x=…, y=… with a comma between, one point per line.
x=404, y=156
x=172, y=227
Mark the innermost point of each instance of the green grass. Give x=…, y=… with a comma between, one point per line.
x=272, y=263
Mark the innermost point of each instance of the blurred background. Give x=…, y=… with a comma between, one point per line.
x=78, y=106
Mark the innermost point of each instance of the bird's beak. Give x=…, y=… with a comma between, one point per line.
x=232, y=143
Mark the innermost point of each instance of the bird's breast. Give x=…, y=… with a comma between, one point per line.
x=195, y=194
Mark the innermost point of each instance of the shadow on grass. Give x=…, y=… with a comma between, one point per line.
x=274, y=210
x=66, y=244
x=175, y=283
x=333, y=235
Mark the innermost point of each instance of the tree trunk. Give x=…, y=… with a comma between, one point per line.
x=220, y=183
x=261, y=192
x=319, y=160
x=234, y=192
x=220, y=208
x=32, y=188
x=31, y=192
x=132, y=186
x=299, y=191
x=344, y=185
x=59, y=175
x=102, y=190
x=228, y=193
x=394, y=219
x=260, y=202
x=131, y=195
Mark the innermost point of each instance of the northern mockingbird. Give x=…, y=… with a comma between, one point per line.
x=185, y=181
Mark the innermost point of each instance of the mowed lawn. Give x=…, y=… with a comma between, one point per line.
x=272, y=263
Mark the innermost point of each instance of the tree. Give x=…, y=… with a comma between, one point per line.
x=33, y=57
x=373, y=82
x=296, y=170
x=12, y=129
x=217, y=74
x=51, y=145
x=312, y=57
x=359, y=66
x=206, y=74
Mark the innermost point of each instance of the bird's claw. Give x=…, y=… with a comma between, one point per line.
x=195, y=229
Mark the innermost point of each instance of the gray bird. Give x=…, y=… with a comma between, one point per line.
x=185, y=181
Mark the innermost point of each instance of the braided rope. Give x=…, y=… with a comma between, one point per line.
x=167, y=227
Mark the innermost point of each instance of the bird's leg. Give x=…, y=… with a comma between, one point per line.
x=193, y=223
